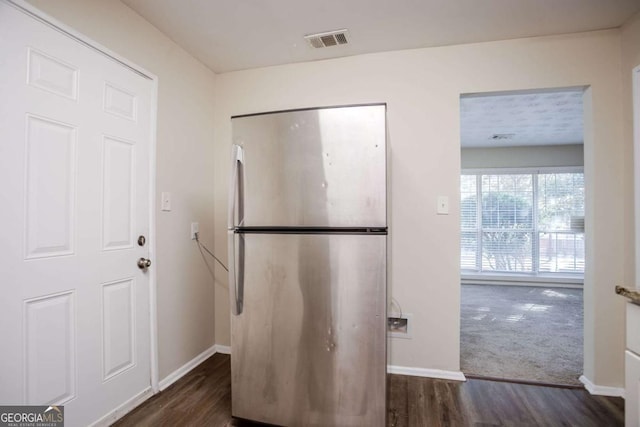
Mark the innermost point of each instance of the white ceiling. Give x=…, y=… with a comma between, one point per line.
x=519, y=119
x=240, y=34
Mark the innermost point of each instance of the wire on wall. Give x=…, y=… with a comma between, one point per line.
x=209, y=252
x=397, y=304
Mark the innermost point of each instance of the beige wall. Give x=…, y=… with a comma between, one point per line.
x=184, y=167
x=522, y=157
x=422, y=88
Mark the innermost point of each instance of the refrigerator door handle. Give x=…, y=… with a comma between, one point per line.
x=236, y=273
x=235, y=186
x=236, y=193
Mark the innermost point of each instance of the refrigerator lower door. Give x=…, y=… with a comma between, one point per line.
x=309, y=347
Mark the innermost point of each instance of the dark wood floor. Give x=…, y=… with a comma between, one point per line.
x=203, y=398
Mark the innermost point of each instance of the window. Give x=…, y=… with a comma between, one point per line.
x=526, y=222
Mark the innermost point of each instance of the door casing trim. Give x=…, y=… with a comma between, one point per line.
x=635, y=81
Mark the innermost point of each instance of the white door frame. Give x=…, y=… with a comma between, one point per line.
x=80, y=38
x=635, y=79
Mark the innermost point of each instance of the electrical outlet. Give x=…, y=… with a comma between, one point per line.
x=399, y=325
x=194, y=229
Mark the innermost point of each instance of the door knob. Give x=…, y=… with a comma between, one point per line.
x=144, y=263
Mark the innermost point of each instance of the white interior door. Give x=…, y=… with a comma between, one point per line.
x=632, y=361
x=74, y=167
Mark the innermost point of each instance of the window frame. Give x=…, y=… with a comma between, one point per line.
x=535, y=232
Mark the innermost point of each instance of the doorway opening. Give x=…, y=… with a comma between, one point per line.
x=522, y=248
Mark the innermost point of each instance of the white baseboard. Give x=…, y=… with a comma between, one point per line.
x=428, y=373
x=122, y=410
x=400, y=370
x=222, y=349
x=601, y=390
x=186, y=368
x=138, y=399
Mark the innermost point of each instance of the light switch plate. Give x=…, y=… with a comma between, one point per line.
x=443, y=205
x=165, y=201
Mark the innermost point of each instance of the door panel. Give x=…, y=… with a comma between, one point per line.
x=118, y=323
x=309, y=347
x=118, y=178
x=75, y=163
x=323, y=167
x=50, y=187
x=52, y=74
x=50, y=368
x=120, y=102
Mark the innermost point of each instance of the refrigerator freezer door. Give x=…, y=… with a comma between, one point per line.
x=309, y=348
x=321, y=167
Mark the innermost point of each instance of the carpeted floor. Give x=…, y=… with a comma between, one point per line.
x=522, y=333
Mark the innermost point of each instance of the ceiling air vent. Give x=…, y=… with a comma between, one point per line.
x=329, y=38
x=502, y=136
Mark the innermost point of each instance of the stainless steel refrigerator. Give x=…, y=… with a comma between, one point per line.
x=307, y=254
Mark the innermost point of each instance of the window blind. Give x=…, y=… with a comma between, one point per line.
x=522, y=222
